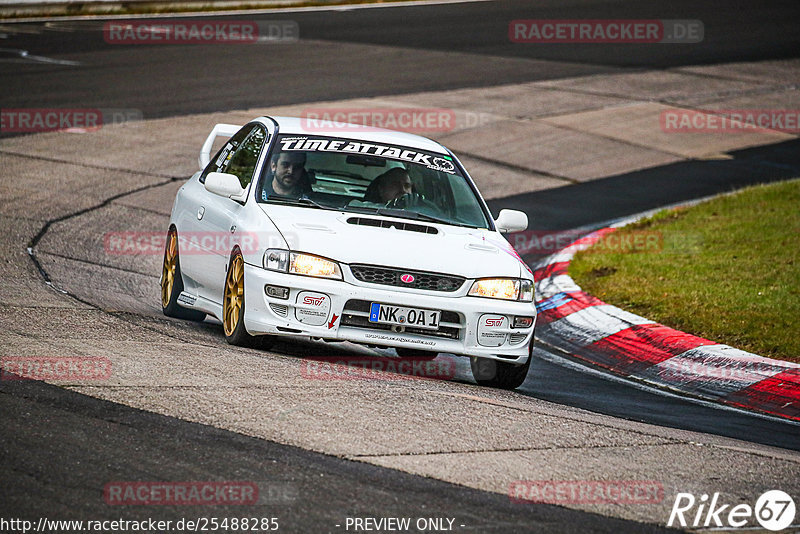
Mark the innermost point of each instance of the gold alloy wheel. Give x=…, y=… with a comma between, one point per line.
x=234, y=295
x=168, y=272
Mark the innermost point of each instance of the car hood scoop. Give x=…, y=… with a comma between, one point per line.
x=391, y=223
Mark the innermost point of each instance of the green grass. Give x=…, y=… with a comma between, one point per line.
x=727, y=270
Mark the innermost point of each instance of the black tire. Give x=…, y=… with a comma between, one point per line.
x=497, y=374
x=238, y=335
x=172, y=308
x=416, y=354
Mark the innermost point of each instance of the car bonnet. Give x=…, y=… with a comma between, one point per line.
x=337, y=235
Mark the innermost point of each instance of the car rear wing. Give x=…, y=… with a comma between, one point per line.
x=220, y=129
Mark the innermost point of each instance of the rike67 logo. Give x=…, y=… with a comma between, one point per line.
x=774, y=510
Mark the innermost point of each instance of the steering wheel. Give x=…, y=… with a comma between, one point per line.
x=407, y=200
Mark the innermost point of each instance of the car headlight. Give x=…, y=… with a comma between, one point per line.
x=526, y=290
x=503, y=288
x=303, y=264
x=309, y=265
x=276, y=260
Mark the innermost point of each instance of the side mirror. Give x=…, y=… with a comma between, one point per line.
x=225, y=185
x=511, y=221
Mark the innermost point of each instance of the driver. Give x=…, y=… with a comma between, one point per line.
x=388, y=186
x=288, y=175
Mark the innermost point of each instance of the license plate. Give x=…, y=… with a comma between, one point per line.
x=398, y=315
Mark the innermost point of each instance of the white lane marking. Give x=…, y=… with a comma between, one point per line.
x=581, y=368
x=739, y=356
x=205, y=14
x=18, y=28
x=554, y=285
x=58, y=27
x=26, y=56
x=595, y=323
x=715, y=370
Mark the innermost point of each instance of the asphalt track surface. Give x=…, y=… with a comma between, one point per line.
x=369, y=52
x=308, y=492
x=355, y=53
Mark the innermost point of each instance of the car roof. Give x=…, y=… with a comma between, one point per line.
x=299, y=126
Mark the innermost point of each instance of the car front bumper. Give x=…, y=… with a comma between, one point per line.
x=339, y=310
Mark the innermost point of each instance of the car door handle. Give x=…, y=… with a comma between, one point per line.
x=200, y=213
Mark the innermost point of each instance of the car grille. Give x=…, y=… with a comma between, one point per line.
x=374, y=274
x=356, y=313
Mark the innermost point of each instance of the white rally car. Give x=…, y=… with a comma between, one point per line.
x=347, y=233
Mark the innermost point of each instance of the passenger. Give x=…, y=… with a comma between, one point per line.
x=388, y=186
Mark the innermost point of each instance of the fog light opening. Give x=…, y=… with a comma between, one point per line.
x=522, y=322
x=277, y=292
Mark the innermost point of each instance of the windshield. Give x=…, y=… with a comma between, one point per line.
x=362, y=177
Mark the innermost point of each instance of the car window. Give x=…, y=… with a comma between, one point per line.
x=243, y=163
x=250, y=139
